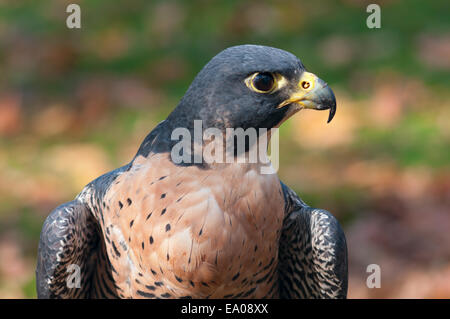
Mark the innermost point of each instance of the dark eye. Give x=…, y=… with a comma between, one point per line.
x=263, y=82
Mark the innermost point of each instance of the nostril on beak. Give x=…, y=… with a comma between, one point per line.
x=305, y=85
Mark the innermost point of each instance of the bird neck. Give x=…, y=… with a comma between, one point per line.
x=196, y=145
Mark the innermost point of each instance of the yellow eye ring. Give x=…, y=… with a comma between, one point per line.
x=262, y=82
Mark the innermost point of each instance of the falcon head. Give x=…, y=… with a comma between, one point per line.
x=252, y=86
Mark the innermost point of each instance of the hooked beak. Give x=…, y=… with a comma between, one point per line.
x=312, y=93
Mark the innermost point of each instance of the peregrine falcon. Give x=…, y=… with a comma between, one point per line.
x=160, y=228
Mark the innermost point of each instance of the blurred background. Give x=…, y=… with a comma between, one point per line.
x=76, y=103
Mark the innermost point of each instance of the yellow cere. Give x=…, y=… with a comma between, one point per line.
x=307, y=81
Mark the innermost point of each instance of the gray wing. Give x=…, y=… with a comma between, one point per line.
x=67, y=249
x=313, y=252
